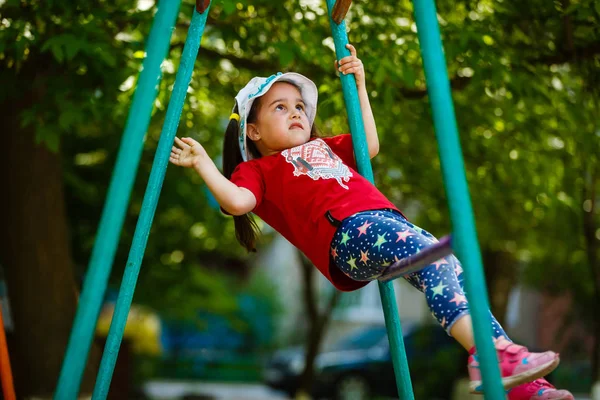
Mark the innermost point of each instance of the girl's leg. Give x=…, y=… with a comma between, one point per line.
x=459, y=325
x=369, y=242
x=462, y=331
x=517, y=365
x=443, y=285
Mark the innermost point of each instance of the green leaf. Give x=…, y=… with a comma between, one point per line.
x=48, y=137
x=58, y=53
x=572, y=8
x=65, y=119
x=72, y=46
x=106, y=57
x=27, y=118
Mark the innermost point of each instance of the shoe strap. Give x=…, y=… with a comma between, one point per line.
x=510, y=348
x=542, y=383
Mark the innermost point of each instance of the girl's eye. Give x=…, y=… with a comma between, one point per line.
x=300, y=107
x=279, y=107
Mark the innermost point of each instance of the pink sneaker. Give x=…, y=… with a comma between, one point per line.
x=539, y=389
x=517, y=365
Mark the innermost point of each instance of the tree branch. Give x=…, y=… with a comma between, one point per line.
x=457, y=83
x=310, y=300
x=589, y=229
x=566, y=55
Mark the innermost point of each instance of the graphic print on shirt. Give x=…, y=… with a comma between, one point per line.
x=316, y=160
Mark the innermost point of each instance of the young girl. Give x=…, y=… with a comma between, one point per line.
x=307, y=188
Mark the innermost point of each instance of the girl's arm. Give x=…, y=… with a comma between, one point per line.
x=353, y=65
x=232, y=198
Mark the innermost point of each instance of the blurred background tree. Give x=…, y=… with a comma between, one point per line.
x=525, y=81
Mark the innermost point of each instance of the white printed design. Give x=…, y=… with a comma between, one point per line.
x=316, y=160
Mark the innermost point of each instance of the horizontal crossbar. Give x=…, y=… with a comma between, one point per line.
x=416, y=262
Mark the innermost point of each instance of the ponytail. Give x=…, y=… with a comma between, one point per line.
x=246, y=229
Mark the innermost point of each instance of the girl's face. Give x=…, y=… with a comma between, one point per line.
x=281, y=121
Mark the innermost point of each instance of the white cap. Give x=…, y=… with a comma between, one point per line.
x=258, y=86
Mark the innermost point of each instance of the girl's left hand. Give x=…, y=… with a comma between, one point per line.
x=352, y=65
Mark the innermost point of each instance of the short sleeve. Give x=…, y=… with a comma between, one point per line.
x=342, y=146
x=249, y=175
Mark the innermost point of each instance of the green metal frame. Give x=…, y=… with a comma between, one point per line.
x=113, y=214
x=359, y=141
x=142, y=230
x=464, y=238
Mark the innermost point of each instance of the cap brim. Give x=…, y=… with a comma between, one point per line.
x=308, y=90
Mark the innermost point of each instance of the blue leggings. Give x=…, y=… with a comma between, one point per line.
x=367, y=242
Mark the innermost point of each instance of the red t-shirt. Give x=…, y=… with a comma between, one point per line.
x=297, y=187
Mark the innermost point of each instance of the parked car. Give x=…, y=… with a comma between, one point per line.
x=359, y=366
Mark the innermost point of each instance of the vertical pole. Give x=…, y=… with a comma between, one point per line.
x=142, y=230
x=386, y=290
x=464, y=234
x=8, y=387
x=113, y=214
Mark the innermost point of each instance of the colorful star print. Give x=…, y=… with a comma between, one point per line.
x=364, y=256
x=439, y=263
x=403, y=235
x=345, y=238
x=334, y=253
x=380, y=240
x=439, y=289
x=458, y=298
x=352, y=263
x=363, y=228
x=370, y=242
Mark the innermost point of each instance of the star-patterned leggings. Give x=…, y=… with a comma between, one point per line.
x=368, y=242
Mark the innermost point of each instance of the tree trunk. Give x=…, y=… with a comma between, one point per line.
x=589, y=233
x=317, y=324
x=35, y=253
x=501, y=276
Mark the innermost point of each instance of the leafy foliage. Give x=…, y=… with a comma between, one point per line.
x=525, y=78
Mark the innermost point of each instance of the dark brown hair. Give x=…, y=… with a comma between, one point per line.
x=246, y=229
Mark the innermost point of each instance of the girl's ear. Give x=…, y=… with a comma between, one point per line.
x=252, y=132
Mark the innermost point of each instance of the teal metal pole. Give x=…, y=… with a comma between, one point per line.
x=464, y=236
x=386, y=290
x=142, y=230
x=113, y=214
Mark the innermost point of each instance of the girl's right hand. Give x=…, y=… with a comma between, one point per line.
x=186, y=152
